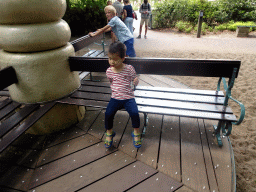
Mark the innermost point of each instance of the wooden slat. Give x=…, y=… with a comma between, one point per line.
x=8, y=189
x=187, y=113
x=4, y=93
x=89, y=118
x=169, y=153
x=89, y=53
x=16, y=118
x=179, y=97
x=95, y=89
x=68, y=164
x=17, y=178
x=126, y=144
x=87, y=175
x=178, y=90
x=5, y=102
x=183, y=105
x=98, y=127
x=30, y=141
x=68, y=147
x=84, y=41
x=148, y=153
x=9, y=109
x=160, y=66
x=94, y=83
x=89, y=103
x=96, y=53
x=15, y=133
x=221, y=158
x=157, y=183
x=63, y=136
x=207, y=157
x=92, y=96
x=192, y=159
x=122, y=179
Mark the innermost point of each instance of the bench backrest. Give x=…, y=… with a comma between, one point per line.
x=162, y=66
x=84, y=41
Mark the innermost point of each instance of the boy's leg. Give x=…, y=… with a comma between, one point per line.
x=112, y=108
x=130, y=51
x=132, y=108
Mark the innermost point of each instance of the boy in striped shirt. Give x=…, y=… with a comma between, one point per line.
x=121, y=76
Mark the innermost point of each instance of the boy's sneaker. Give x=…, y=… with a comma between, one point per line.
x=145, y=36
x=139, y=37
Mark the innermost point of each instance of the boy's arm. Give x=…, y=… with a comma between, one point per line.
x=99, y=31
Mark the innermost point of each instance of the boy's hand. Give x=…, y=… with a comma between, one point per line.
x=136, y=81
x=91, y=34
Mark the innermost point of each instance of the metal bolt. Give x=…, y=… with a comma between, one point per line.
x=153, y=160
x=162, y=165
x=176, y=173
x=74, y=160
x=188, y=179
x=141, y=154
x=36, y=179
x=203, y=187
x=115, y=154
x=171, y=187
x=195, y=163
x=81, y=176
x=157, y=179
x=189, y=132
x=122, y=145
x=125, y=160
x=134, y=166
x=146, y=173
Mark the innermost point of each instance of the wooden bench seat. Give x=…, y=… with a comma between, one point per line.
x=202, y=104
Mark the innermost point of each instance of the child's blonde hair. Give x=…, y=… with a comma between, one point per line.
x=111, y=8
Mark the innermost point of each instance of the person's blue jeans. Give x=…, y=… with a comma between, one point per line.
x=130, y=51
x=129, y=23
x=114, y=105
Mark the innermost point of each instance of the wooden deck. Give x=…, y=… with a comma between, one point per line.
x=177, y=154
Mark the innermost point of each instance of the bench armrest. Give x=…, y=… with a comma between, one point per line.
x=242, y=114
x=228, y=94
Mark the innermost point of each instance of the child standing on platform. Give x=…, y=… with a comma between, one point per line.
x=119, y=28
x=121, y=76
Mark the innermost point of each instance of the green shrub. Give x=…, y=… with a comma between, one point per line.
x=84, y=16
x=184, y=26
x=221, y=27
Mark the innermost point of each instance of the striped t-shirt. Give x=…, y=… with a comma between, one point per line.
x=120, y=83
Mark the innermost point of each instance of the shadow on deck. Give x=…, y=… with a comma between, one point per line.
x=177, y=154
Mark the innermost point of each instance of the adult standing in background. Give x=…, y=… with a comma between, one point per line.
x=119, y=8
x=128, y=18
x=145, y=10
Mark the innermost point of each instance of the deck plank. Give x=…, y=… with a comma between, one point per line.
x=89, y=118
x=126, y=144
x=63, y=136
x=148, y=153
x=157, y=183
x=221, y=158
x=98, y=127
x=67, y=164
x=16, y=178
x=122, y=179
x=88, y=174
x=192, y=159
x=208, y=158
x=169, y=154
x=66, y=148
